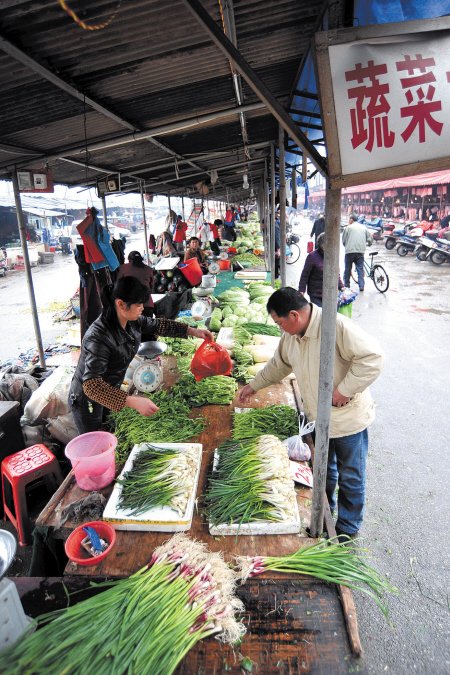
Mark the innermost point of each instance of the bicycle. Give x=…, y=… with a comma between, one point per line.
x=292, y=249
x=376, y=272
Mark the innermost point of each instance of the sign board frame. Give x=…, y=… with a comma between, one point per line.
x=108, y=184
x=33, y=180
x=377, y=34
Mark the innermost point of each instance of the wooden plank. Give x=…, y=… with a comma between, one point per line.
x=133, y=549
x=348, y=603
x=292, y=626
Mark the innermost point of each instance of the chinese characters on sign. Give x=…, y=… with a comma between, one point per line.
x=392, y=101
x=370, y=120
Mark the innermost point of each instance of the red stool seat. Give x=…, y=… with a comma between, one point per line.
x=18, y=471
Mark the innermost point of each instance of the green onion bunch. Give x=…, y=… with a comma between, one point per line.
x=158, y=477
x=242, y=361
x=276, y=420
x=145, y=624
x=251, y=483
x=171, y=424
x=330, y=561
x=262, y=329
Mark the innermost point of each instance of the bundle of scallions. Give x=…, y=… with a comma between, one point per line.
x=277, y=420
x=330, y=561
x=144, y=624
x=159, y=476
x=171, y=424
x=251, y=483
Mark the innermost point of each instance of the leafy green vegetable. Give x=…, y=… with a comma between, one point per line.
x=276, y=420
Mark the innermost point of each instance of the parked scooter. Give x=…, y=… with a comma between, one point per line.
x=441, y=252
x=375, y=226
x=3, y=267
x=424, y=247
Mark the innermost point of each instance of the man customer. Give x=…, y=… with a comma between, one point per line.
x=358, y=362
x=355, y=237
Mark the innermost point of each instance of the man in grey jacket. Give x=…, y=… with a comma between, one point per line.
x=355, y=237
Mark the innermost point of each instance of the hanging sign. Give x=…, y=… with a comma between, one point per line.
x=385, y=98
x=35, y=181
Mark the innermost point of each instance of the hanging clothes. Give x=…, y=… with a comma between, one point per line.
x=92, y=252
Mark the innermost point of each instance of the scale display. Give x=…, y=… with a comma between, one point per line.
x=147, y=377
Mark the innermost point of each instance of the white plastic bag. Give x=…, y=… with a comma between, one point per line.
x=297, y=449
x=51, y=398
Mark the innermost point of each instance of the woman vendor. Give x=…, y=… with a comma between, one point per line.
x=109, y=346
x=194, y=251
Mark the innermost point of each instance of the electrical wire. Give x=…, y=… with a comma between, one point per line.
x=82, y=24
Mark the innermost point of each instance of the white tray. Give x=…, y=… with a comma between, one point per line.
x=167, y=263
x=158, y=519
x=258, y=526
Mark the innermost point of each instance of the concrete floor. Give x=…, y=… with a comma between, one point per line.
x=407, y=513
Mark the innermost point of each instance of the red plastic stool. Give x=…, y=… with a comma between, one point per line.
x=18, y=471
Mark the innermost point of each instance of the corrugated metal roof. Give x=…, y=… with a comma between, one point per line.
x=152, y=65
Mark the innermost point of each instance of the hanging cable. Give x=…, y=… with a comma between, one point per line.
x=82, y=24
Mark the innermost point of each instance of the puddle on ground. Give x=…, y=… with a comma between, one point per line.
x=430, y=310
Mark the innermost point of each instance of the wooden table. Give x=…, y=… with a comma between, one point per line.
x=295, y=624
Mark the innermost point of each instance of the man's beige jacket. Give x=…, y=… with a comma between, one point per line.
x=358, y=362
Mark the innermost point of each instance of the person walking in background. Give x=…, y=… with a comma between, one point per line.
x=358, y=361
x=179, y=236
x=135, y=267
x=355, y=237
x=318, y=228
x=214, y=236
x=311, y=279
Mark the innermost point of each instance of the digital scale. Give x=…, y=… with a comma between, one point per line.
x=148, y=375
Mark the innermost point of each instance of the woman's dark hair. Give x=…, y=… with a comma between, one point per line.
x=285, y=300
x=218, y=222
x=128, y=289
x=136, y=259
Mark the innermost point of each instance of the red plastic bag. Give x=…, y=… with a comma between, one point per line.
x=310, y=247
x=210, y=359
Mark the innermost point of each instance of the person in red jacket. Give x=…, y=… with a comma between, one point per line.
x=179, y=236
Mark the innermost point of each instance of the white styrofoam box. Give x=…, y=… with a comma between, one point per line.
x=13, y=620
x=291, y=526
x=167, y=263
x=161, y=519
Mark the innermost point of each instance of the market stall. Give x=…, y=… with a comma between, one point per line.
x=290, y=621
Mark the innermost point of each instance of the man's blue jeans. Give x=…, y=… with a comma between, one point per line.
x=358, y=260
x=347, y=468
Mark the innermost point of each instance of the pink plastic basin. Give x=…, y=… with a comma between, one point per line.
x=93, y=459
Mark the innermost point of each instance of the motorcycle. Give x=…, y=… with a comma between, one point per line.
x=3, y=266
x=375, y=226
x=441, y=252
x=424, y=248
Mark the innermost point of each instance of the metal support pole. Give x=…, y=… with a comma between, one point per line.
x=26, y=260
x=105, y=221
x=282, y=170
x=327, y=352
x=271, y=223
x=145, y=224
x=294, y=186
x=182, y=207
